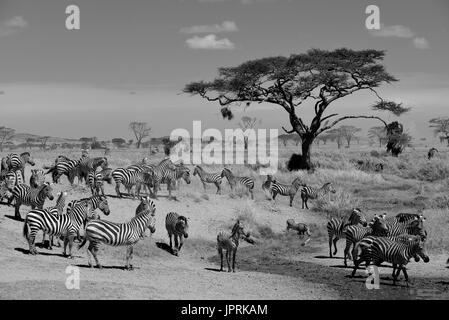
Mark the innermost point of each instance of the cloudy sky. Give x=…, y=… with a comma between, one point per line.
x=130, y=59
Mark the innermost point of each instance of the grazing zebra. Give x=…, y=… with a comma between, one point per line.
x=285, y=189
x=302, y=229
x=432, y=152
x=167, y=172
x=206, y=177
x=37, y=178
x=119, y=234
x=56, y=224
x=33, y=198
x=13, y=162
x=87, y=164
x=355, y=233
x=413, y=226
x=314, y=193
x=178, y=227
x=230, y=243
x=397, y=253
x=233, y=180
x=363, y=249
x=336, y=227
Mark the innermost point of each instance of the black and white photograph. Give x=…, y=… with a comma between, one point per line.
x=237, y=151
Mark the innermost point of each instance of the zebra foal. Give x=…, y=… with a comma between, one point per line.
x=206, y=177
x=248, y=183
x=315, y=193
x=178, y=228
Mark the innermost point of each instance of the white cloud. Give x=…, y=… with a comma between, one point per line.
x=393, y=31
x=226, y=26
x=12, y=25
x=421, y=43
x=209, y=42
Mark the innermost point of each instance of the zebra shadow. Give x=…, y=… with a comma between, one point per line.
x=165, y=247
x=327, y=257
x=213, y=269
x=14, y=218
x=27, y=252
x=86, y=266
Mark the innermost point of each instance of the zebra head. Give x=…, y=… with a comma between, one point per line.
x=357, y=216
x=37, y=178
x=419, y=249
x=239, y=231
x=379, y=224
x=47, y=191
x=226, y=173
x=146, y=204
x=106, y=174
x=182, y=226
x=103, y=205
x=26, y=157
x=416, y=227
x=197, y=170
x=185, y=173
x=329, y=187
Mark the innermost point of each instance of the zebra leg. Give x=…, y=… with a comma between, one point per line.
x=220, y=252
x=228, y=259
x=347, y=249
x=94, y=253
x=305, y=202
x=218, y=185
x=233, y=259
x=330, y=246
x=204, y=186
x=291, y=200
x=117, y=189
x=405, y=274
x=129, y=257
x=17, y=212
x=70, y=241
x=176, y=249
x=171, y=243
x=31, y=239
x=252, y=194
x=181, y=242
x=335, y=245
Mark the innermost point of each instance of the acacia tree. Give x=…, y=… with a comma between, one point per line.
x=337, y=135
x=379, y=134
x=140, y=130
x=315, y=79
x=348, y=133
x=6, y=135
x=247, y=123
x=43, y=142
x=440, y=128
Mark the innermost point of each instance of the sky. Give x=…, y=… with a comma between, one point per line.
x=130, y=60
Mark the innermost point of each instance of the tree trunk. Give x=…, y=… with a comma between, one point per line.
x=138, y=144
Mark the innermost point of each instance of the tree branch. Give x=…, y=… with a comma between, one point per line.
x=349, y=117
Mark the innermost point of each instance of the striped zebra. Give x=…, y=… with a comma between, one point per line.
x=432, y=152
x=315, y=193
x=248, y=183
x=5, y=192
x=413, y=226
x=119, y=234
x=40, y=219
x=37, y=178
x=363, y=249
x=14, y=161
x=87, y=164
x=355, y=233
x=14, y=178
x=206, y=177
x=178, y=228
x=266, y=186
x=34, y=198
x=286, y=189
x=230, y=242
x=336, y=227
x=397, y=253
x=302, y=228
x=55, y=224
x=129, y=179
x=95, y=180
x=167, y=172
x=68, y=168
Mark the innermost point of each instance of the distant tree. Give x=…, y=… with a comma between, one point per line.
x=118, y=142
x=6, y=134
x=315, y=79
x=440, y=128
x=379, y=134
x=337, y=135
x=43, y=142
x=284, y=138
x=247, y=123
x=348, y=133
x=141, y=130
x=397, y=138
x=29, y=142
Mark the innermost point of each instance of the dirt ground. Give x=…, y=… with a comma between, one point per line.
x=264, y=271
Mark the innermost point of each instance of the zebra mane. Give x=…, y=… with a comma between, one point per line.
x=25, y=154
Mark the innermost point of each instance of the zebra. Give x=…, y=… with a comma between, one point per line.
x=302, y=229
x=355, y=233
x=397, y=253
x=5, y=192
x=230, y=242
x=314, y=193
x=66, y=225
x=129, y=179
x=13, y=162
x=432, y=152
x=405, y=217
x=55, y=210
x=87, y=164
x=336, y=227
x=95, y=180
x=206, y=177
x=144, y=202
x=285, y=189
x=413, y=226
x=266, y=186
x=233, y=180
x=178, y=227
x=28, y=196
x=37, y=178
x=119, y=234
x=167, y=172
x=363, y=249
x=68, y=168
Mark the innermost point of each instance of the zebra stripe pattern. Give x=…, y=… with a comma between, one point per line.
x=167, y=172
x=119, y=234
x=34, y=198
x=397, y=253
x=248, y=183
x=177, y=227
x=207, y=177
x=336, y=227
x=13, y=162
x=87, y=164
x=95, y=180
x=68, y=168
x=129, y=179
x=230, y=243
x=413, y=226
x=285, y=189
x=37, y=178
x=315, y=193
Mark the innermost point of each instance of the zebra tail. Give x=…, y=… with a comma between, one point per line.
x=50, y=169
x=82, y=243
x=25, y=228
